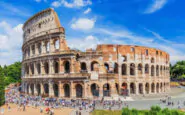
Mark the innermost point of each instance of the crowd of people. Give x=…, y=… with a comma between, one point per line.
x=48, y=105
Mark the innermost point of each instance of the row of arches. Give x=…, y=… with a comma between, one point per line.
x=142, y=69
x=95, y=89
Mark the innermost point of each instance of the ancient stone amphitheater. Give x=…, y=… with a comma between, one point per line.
x=51, y=69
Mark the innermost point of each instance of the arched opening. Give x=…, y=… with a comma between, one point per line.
x=38, y=68
x=152, y=60
x=94, y=66
x=38, y=89
x=55, y=89
x=28, y=89
x=56, y=66
x=132, y=88
x=147, y=88
x=124, y=89
x=66, y=90
x=132, y=69
x=106, y=89
x=33, y=49
x=32, y=69
x=152, y=87
x=32, y=89
x=56, y=44
x=46, y=89
x=115, y=68
x=66, y=67
x=79, y=91
x=157, y=87
x=117, y=88
x=146, y=69
x=124, y=69
x=140, y=69
x=106, y=65
x=161, y=87
x=47, y=46
x=140, y=88
x=83, y=67
x=46, y=68
x=95, y=90
x=27, y=69
x=152, y=70
x=39, y=48
x=157, y=70
x=161, y=70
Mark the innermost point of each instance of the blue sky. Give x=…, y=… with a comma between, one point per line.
x=154, y=23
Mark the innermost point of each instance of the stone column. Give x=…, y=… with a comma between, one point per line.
x=41, y=89
x=51, y=90
x=137, y=88
x=101, y=90
x=43, y=45
x=72, y=90
x=51, y=67
x=149, y=70
x=42, y=67
x=128, y=88
x=36, y=49
x=61, y=89
x=35, y=89
x=35, y=68
x=128, y=69
x=85, y=90
x=31, y=50
x=51, y=45
x=144, y=89
x=113, y=90
x=143, y=70
x=72, y=63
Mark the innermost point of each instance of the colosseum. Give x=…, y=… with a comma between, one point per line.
x=51, y=69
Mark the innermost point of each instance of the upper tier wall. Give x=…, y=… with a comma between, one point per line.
x=41, y=22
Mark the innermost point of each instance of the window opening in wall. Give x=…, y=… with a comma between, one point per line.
x=156, y=52
x=132, y=49
x=146, y=52
x=39, y=25
x=47, y=47
x=57, y=44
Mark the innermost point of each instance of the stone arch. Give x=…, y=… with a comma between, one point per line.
x=132, y=69
x=106, y=65
x=117, y=88
x=32, y=68
x=157, y=87
x=152, y=70
x=140, y=68
x=56, y=66
x=153, y=88
x=56, y=44
x=27, y=88
x=46, y=89
x=152, y=60
x=46, y=67
x=140, y=88
x=157, y=70
x=79, y=90
x=38, y=87
x=56, y=90
x=132, y=88
x=95, y=89
x=161, y=87
x=106, y=89
x=32, y=89
x=83, y=67
x=66, y=66
x=146, y=69
x=115, y=67
x=124, y=89
x=94, y=66
x=38, y=68
x=66, y=90
x=124, y=69
x=147, y=88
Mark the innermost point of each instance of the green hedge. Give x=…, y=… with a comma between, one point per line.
x=155, y=110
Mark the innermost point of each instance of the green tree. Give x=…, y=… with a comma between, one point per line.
x=2, y=88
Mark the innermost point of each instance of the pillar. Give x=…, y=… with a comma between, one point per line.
x=72, y=90
x=51, y=90
x=41, y=88
x=43, y=45
x=61, y=89
x=35, y=89
x=51, y=66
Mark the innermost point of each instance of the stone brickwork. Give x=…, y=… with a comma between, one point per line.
x=51, y=68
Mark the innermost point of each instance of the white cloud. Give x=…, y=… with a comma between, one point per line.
x=73, y=4
x=83, y=24
x=155, y=6
x=87, y=11
x=38, y=0
x=10, y=45
x=56, y=4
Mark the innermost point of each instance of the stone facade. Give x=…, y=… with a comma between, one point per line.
x=51, y=68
